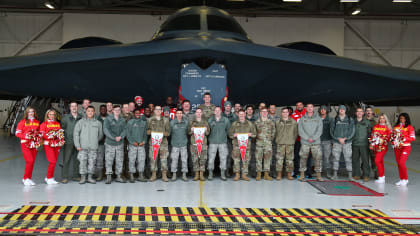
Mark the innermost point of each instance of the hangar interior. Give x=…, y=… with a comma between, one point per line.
x=383, y=33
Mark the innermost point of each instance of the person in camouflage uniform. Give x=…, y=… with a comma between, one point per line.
x=100, y=159
x=286, y=135
x=342, y=131
x=179, y=141
x=199, y=162
x=370, y=116
x=207, y=107
x=137, y=139
x=87, y=134
x=238, y=127
x=159, y=124
x=266, y=131
x=310, y=131
x=232, y=117
x=326, y=140
x=114, y=130
x=219, y=126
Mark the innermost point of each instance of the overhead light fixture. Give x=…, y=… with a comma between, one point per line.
x=398, y=1
x=50, y=5
x=292, y=0
x=356, y=11
x=349, y=1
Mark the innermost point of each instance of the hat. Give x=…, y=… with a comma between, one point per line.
x=342, y=107
x=166, y=109
x=227, y=103
x=323, y=107
x=136, y=98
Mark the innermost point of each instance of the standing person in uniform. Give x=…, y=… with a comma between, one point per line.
x=272, y=114
x=131, y=108
x=207, y=107
x=114, y=130
x=85, y=105
x=379, y=140
x=29, y=124
x=199, y=162
x=228, y=113
x=219, y=126
x=297, y=115
x=238, y=127
x=159, y=124
x=402, y=145
x=137, y=138
x=187, y=113
x=370, y=116
x=250, y=113
x=179, y=142
x=310, y=131
x=266, y=132
x=251, y=116
x=342, y=131
x=237, y=108
x=360, y=146
x=326, y=140
x=147, y=113
x=51, y=149
x=87, y=135
x=125, y=112
x=139, y=103
x=69, y=151
x=100, y=158
x=286, y=134
x=169, y=102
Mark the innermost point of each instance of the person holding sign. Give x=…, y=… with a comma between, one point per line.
x=199, y=129
x=241, y=132
x=159, y=129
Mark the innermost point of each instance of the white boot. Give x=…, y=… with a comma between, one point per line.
x=404, y=182
x=31, y=183
x=26, y=182
x=399, y=182
x=380, y=180
x=50, y=181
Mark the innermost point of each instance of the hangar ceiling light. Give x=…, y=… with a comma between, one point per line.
x=292, y=0
x=50, y=4
x=356, y=11
x=349, y=0
x=402, y=0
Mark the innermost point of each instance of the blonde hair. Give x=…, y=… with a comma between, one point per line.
x=46, y=114
x=387, y=123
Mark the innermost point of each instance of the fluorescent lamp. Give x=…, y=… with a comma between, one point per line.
x=356, y=11
x=49, y=4
x=398, y=1
x=349, y=0
x=292, y=0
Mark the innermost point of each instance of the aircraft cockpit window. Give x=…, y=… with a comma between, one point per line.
x=223, y=24
x=188, y=22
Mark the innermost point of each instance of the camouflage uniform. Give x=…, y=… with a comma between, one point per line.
x=342, y=128
x=310, y=128
x=218, y=141
x=162, y=125
x=264, y=145
x=179, y=142
x=136, y=133
x=326, y=142
x=87, y=159
x=199, y=162
x=100, y=158
x=241, y=127
x=208, y=111
x=232, y=117
x=127, y=117
x=286, y=134
x=113, y=149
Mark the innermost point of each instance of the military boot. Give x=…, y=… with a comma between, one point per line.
x=100, y=176
x=223, y=175
x=91, y=179
x=202, y=176
x=258, y=178
x=153, y=177
x=82, y=179
x=164, y=177
x=289, y=176
x=245, y=177
x=173, y=176
x=210, y=175
x=279, y=175
x=141, y=177
x=119, y=179
x=319, y=177
x=131, y=177
x=350, y=175
x=196, y=176
x=302, y=176
x=184, y=176
x=267, y=176
x=334, y=177
x=237, y=176
x=108, y=179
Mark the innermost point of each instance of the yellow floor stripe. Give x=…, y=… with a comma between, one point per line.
x=356, y=213
x=246, y=212
x=388, y=221
x=284, y=213
x=160, y=211
x=265, y=219
x=198, y=212
x=367, y=212
x=147, y=211
x=135, y=217
x=344, y=213
x=123, y=216
x=332, y=220
x=48, y=210
x=222, y=212
x=210, y=212
x=172, y=211
x=408, y=168
x=11, y=158
x=240, y=219
x=110, y=210
x=97, y=210
x=319, y=220
x=297, y=214
x=72, y=210
x=185, y=212
x=34, y=210
x=23, y=209
x=86, y=209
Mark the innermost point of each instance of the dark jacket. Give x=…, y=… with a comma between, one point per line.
x=326, y=123
x=363, y=129
x=342, y=129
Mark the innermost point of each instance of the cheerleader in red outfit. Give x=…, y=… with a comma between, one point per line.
x=49, y=129
x=381, y=134
x=403, y=135
x=27, y=131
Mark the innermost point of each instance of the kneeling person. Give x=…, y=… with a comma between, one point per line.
x=87, y=135
x=137, y=138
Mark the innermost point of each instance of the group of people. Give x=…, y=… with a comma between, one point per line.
x=120, y=138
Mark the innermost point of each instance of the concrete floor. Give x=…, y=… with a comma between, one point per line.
x=398, y=201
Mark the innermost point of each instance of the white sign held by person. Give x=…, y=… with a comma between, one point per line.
x=199, y=133
x=156, y=141
x=243, y=143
